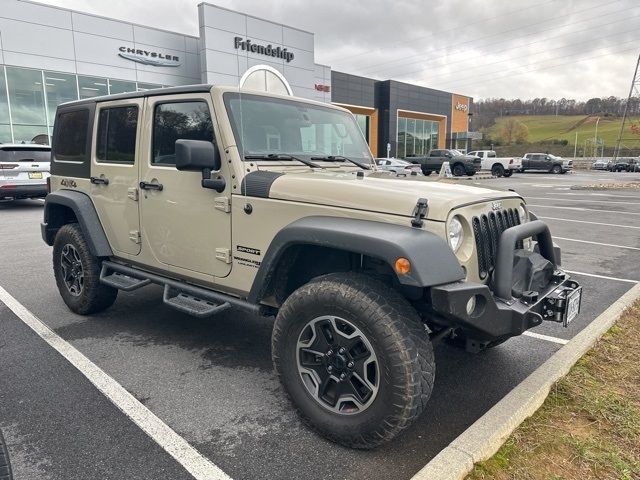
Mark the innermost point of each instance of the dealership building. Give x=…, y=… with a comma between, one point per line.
x=51, y=55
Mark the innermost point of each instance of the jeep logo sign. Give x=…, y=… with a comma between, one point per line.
x=147, y=57
x=462, y=107
x=268, y=50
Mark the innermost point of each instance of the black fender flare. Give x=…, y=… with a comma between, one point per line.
x=85, y=212
x=432, y=261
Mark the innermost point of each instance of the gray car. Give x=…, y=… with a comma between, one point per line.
x=24, y=169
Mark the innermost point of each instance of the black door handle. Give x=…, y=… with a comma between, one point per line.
x=99, y=180
x=151, y=186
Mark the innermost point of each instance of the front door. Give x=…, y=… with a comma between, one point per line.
x=114, y=173
x=185, y=228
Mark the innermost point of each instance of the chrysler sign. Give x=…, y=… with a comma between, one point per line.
x=268, y=50
x=148, y=57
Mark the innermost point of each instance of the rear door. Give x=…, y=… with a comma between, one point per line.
x=114, y=172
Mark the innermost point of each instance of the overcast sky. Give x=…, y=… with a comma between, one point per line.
x=482, y=48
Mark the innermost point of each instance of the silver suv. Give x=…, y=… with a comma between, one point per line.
x=24, y=170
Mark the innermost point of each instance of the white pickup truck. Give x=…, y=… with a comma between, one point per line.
x=499, y=166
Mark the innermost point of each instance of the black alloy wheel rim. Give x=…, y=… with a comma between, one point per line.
x=72, y=270
x=337, y=365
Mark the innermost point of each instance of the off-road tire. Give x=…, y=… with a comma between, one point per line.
x=497, y=170
x=94, y=296
x=458, y=170
x=400, y=341
x=5, y=466
x=556, y=169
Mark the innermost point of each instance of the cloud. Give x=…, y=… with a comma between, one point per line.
x=483, y=48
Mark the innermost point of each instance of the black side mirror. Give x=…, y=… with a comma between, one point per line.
x=200, y=155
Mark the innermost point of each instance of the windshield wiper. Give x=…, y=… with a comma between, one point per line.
x=337, y=158
x=280, y=156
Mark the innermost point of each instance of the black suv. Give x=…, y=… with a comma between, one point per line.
x=460, y=163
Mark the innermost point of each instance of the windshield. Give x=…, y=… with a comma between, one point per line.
x=267, y=125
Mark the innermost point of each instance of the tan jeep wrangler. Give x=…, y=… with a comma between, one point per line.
x=271, y=204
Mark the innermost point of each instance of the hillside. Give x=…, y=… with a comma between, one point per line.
x=547, y=127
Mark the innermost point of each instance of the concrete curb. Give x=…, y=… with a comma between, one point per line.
x=482, y=439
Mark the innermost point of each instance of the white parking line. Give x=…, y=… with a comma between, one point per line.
x=582, y=209
x=604, y=277
x=176, y=446
x=593, y=194
x=596, y=243
x=591, y=223
x=561, y=341
x=582, y=200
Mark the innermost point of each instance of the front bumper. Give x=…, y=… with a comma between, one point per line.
x=488, y=315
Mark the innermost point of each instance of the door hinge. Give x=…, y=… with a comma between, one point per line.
x=132, y=193
x=223, y=204
x=223, y=254
x=134, y=236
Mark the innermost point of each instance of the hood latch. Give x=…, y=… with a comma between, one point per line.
x=420, y=212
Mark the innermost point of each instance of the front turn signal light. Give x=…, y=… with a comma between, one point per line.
x=402, y=266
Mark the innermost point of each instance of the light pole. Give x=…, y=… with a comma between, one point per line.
x=595, y=137
x=575, y=146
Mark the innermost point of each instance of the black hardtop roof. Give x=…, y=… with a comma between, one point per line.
x=148, y=93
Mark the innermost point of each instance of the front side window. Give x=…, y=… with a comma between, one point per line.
x=116, y=141
x=71, y=136
x=267, y=125
x=178, y=120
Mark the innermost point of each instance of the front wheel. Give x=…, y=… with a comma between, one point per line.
x=354, y=358
x=77, y=273
x=458, y=170
x=556, y=169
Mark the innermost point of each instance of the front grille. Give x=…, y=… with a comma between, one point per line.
x=487, y=229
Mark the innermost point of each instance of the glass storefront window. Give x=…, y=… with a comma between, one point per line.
x=5, y=129
x=92, y=86
x=416, y=137
x=402, y=134
x=120, y=86
x=26, y=96
x=5, y=133
x=143, y=87
x=363, y=123
x=60, y=88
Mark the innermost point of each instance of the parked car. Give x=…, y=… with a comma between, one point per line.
x=499, y=166
x=599, y=164
x=634, y=165
x=24, y=169
x=460, y=163
x=397, y=166
x=545, y=161
x=621, y=164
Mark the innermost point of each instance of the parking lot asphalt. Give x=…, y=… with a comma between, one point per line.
x=212, y=382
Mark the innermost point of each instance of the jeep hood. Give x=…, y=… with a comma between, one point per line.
x=380, y=192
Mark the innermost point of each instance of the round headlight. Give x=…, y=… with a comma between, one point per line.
x=456, y=233
x=522, y=213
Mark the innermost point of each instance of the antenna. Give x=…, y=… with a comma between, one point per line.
x=629, y=136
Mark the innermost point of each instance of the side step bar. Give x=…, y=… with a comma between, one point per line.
x=182, y=296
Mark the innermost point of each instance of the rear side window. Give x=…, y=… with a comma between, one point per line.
x=71, y=136
x=116, y=142
x=178, y=120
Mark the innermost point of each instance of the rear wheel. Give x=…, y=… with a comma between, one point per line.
x=508, y=173
x=497, y=170
x=354, y=358
x=77, y=273
x=458, y=170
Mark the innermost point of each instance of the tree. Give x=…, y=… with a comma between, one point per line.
x=513, y=131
